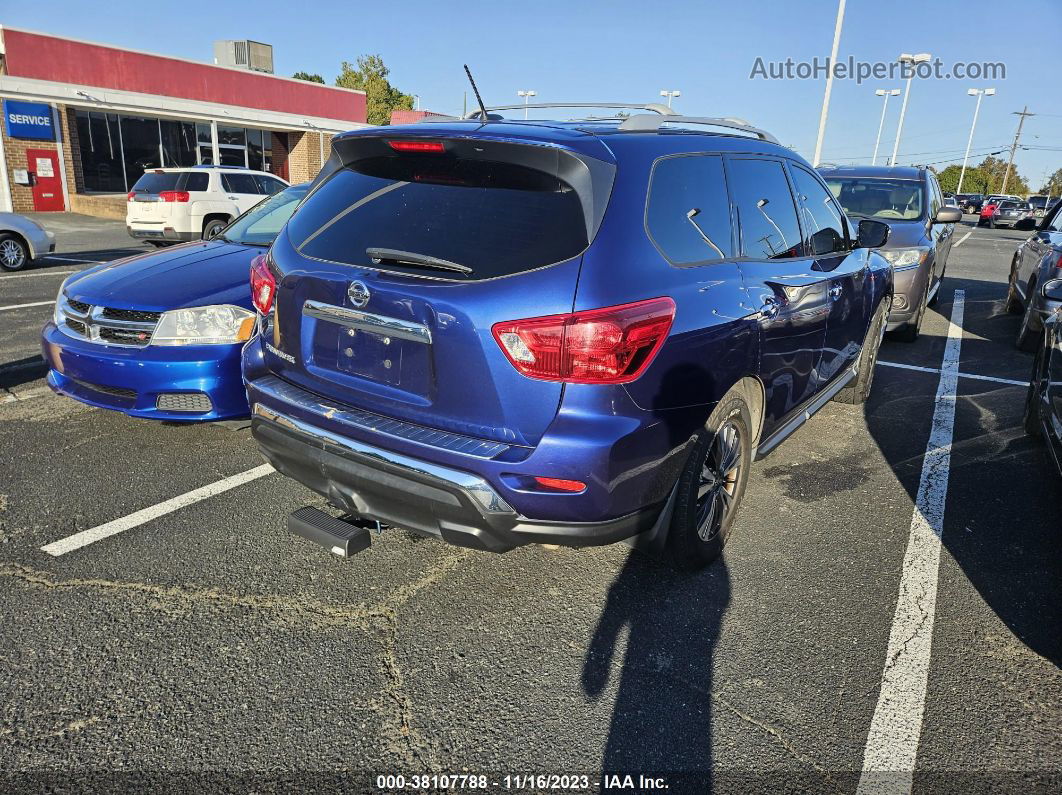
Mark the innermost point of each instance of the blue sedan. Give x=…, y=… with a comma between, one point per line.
x=159, y=335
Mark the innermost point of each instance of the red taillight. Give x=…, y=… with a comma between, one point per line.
x=174, y=195
x=263, y=285
x=560, y=484
x=130, y=195
x=613, y=345
x=417, y=146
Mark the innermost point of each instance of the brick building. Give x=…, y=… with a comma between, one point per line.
x=83, y=121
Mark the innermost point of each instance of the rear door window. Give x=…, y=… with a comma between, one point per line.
x=498, y=218
x=688, y=213
x=197, y=182
x=240, y=183
x=152, y=182
x=267, y=186
x=767, y=217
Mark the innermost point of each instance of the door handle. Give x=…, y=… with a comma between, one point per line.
x=835, y=291
x=770, y=308
x=233, y=198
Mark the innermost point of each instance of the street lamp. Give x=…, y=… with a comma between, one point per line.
x=829, y=85
x=416, y=102
x=527, y=97
x=882, y=92
x=670, y=96
x=906, y=58
x=980, y=93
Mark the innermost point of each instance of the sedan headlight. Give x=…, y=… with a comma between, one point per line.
x=57, y=314
x=204, y=325
x=903, y=259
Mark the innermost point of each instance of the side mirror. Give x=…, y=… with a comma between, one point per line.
x=1026, y=225
x=872, y=234
x=948, y=215
x=1052, y=290
x=826, y=241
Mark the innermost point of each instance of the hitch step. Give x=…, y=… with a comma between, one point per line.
x=344, y=537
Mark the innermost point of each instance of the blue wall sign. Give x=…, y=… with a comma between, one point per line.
x=28, y=120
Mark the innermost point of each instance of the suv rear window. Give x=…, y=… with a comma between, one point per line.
x=151, y=182
x=497, y=218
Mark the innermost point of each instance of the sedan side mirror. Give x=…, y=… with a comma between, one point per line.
x=1052, y=290
x=948, y=215
x=1026, y=225
x=872, y=234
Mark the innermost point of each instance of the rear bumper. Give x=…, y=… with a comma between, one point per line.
x=145, y=231
x=458, y=507
x=131, y=380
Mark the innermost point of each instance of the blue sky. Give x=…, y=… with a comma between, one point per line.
x=628, y=50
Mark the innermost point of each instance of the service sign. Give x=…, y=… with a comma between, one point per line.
x=28, y=120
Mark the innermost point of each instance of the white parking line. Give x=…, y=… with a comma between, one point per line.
x=46, y=272
x=962, y=239
x=86, y=537
x=12, y=397
x=71, y=259
x=895, y=730
x=24, y=306
x=993, y=378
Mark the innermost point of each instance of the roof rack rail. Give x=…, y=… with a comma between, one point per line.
x=655, y=107
x=643, y=122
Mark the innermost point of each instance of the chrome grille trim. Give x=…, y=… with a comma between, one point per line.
x=93, y=321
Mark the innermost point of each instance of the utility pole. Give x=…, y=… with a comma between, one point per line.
x=1014, y=146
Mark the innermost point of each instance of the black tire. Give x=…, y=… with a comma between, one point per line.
x=858, y=390
x=1031, y=420
x=909, y=331
x=1013, y=304
x=991, y=224
x=14, y=253
x=212, y=227
x=1031, y=329
x=711, y=486
x=940, y=284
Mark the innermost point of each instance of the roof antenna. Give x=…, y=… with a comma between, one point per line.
x=479, y=99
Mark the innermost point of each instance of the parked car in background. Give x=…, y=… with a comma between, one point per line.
x=22, y=240
x=973, y=203
x=909, y=200
x=1006, y=213
x=170, y=205
x=500, y=333
x=1043, y=405
x=1041, y=204
x=159, y=335
x=950, y=201
x=1036, y=261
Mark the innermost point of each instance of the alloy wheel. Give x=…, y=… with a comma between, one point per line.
x=11, y=254
x=718, y=485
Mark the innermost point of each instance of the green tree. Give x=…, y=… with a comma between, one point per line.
x=993, y=169
x=1053, y=184
x=310, y=77
x=369, y=74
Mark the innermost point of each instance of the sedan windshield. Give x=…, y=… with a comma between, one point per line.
x=260, y=225
x=871, y=197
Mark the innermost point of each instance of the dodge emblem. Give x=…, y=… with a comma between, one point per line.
x=358, y=294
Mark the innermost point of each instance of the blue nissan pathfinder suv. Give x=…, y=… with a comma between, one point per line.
x=504, y=332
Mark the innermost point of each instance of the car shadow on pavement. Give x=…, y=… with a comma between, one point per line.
x=662, y=714
x=1001, y=520
x=22, y=371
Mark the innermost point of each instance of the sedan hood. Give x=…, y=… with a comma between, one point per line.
x=905, y=234
x=193, y=274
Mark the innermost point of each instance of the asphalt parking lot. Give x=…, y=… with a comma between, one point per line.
x=876, y=604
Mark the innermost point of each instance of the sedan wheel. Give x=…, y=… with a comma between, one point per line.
x=13, y=253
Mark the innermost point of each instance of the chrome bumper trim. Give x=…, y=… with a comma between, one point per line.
x=366, y=321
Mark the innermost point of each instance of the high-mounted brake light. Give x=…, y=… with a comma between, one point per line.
x=174, y=195
x=417, y=146
x=613, y=345
x=263, y=285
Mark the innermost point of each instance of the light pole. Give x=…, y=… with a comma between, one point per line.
x=980, y=93
x=911, y=60
x=670, y=96
x=829, y=84
x=527, y=98
x=882, y=92
x=416, y=102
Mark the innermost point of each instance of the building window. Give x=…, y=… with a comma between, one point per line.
x=99, y=139
x=206, y=144
x=178, y=143
x=254, y=149
x=140, y=142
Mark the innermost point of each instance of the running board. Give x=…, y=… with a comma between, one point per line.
x=345, y=537
x=805, y=414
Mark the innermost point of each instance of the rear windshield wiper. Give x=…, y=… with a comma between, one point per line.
x=413, y=258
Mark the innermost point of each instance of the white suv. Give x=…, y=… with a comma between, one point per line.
x=175, y=204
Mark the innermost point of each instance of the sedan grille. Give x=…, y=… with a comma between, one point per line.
x=107, y=325
x=113, y=391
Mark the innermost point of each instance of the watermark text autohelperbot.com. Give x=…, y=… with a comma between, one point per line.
x=861, y=71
